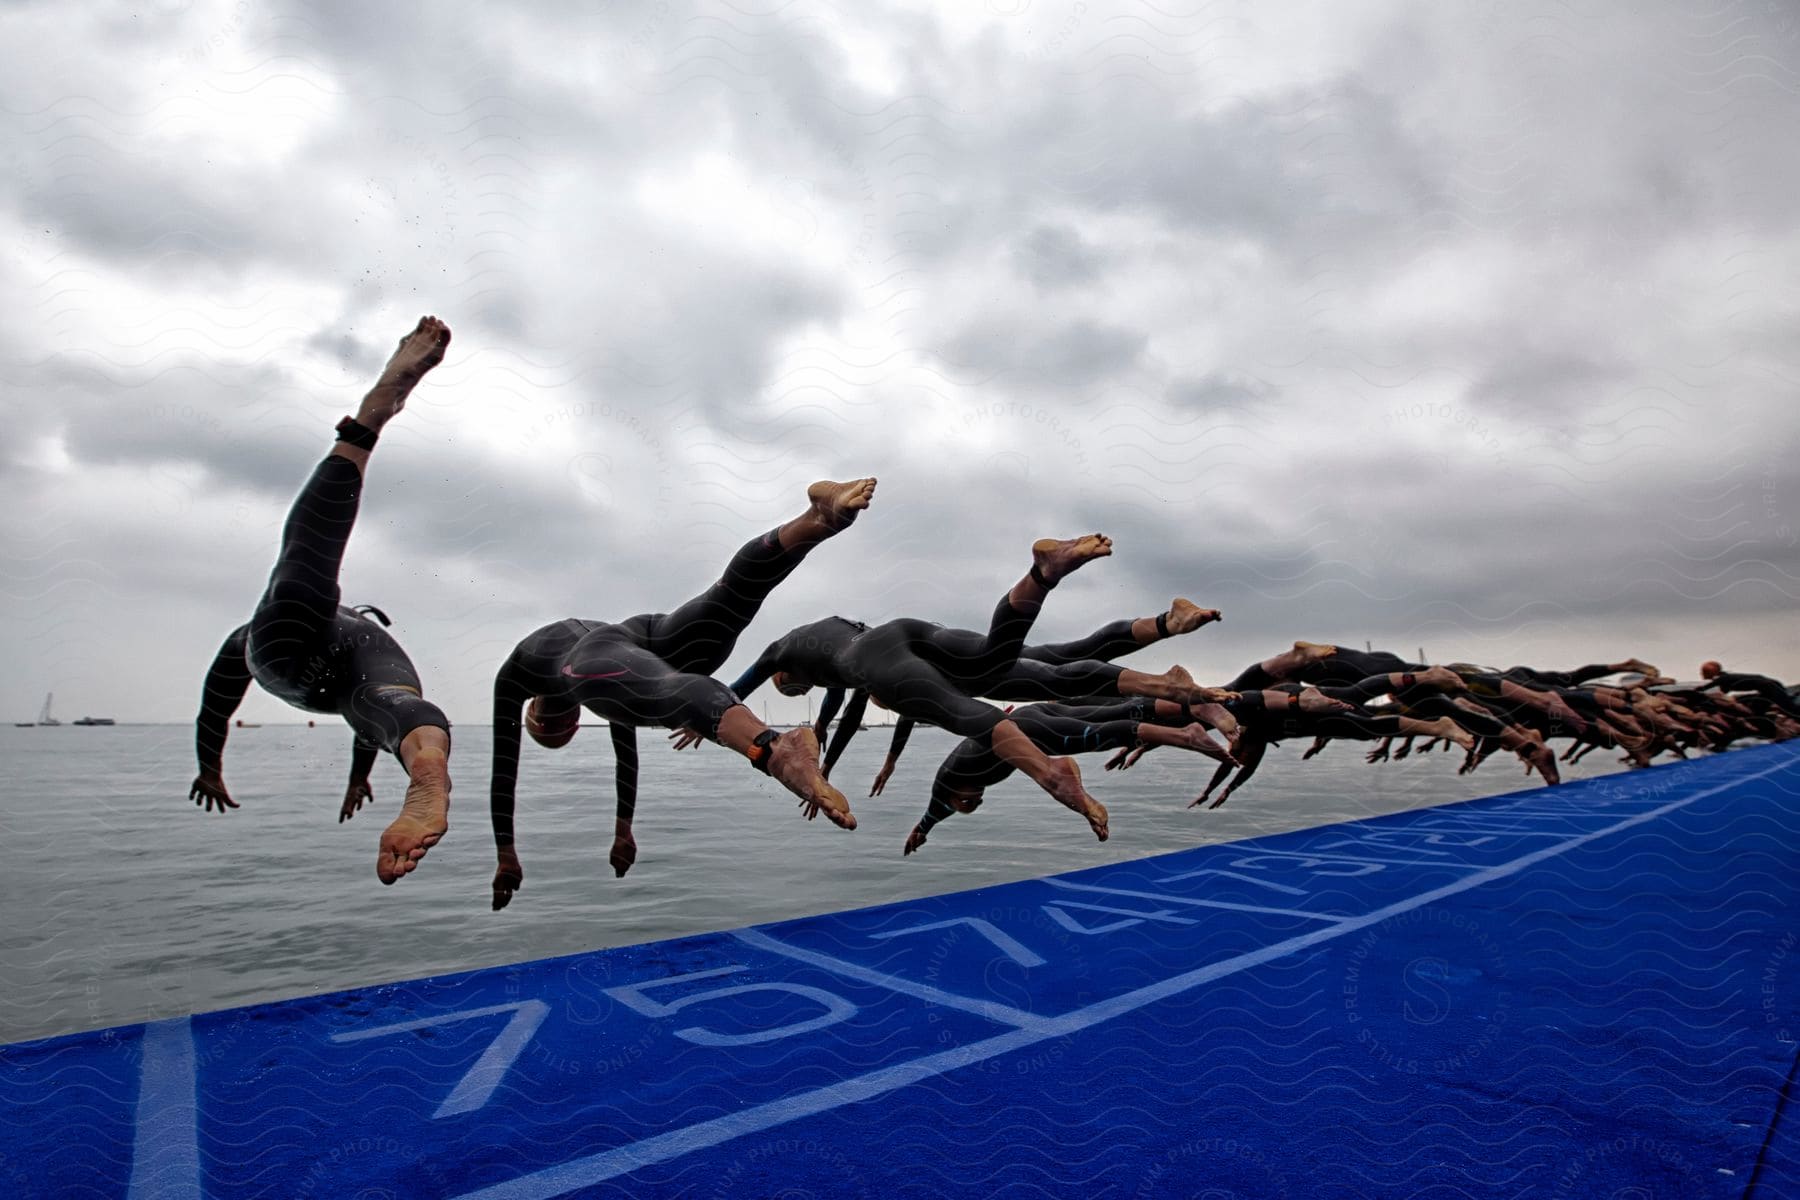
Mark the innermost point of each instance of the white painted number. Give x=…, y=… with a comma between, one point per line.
x=632, y=996
x=475, y=1088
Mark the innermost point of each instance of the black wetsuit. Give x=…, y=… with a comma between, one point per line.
x=1054, y=728
x=1775, y=692
x=1343, y=667
x=303, y=646
x=917, y=668
x=652, y=669
x=1053, y=671
x=1564, y=679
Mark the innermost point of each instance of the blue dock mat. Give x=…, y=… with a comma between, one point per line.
x=1591, y=990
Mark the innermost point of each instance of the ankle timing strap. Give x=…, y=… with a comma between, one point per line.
x=356, y=434
x=1162, y=624
x=758, y=753
x=1037, y=577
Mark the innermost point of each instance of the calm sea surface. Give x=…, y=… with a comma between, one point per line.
x=123, y=902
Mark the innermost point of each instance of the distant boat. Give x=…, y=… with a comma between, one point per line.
x=24, y=724
x=241, y=724
x=44, y=718
x=95, y=721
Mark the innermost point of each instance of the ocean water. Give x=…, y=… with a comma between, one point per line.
x=124, y=902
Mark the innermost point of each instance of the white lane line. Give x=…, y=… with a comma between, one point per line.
x=609, y=1164
x=165, y=1151
x=1172, y=898
x=1331, y=856
x=1001, y=1013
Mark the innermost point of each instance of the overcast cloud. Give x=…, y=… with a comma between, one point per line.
x=1469, y=327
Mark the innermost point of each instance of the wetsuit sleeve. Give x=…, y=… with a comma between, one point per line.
x=828, y=708
x=362, y=761
x=625, y=773
x=224, y=690
x=847, y=729
x=902, y=730
x=759, y=672
x=509, y=700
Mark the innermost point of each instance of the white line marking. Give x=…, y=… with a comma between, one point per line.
x=609, y=1164
x=1001, y=1013
x=1009, y=945
x=477, y=1085
x=1161, y=914
x=1167, y=898
x=165, y=1152
x=1271, y=885
x=1333, y=856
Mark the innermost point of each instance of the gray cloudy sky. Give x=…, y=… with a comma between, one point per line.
x=1463, y=326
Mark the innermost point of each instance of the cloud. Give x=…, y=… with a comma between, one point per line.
x=1466, y=328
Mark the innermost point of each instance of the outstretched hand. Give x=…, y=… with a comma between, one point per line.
x=685, y=737
x=355, y=797
x=509, y=877
x=210, y=790
x=881, y=778
x=624, y=853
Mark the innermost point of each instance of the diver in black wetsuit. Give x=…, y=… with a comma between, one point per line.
x=1771, y=690
x=1060, y=671
x=309, y=650
x=656, y=669
x=1140, y=722
x=930, y=673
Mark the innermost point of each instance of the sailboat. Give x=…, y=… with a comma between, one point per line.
x=44, y=718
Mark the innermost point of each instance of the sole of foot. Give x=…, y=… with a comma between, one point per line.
x=424, y=818
x=1056, y=559
x=836, y=504
x=1069, y=792
x=1185, y=616
x=794, y=761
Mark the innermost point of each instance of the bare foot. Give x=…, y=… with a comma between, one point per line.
x=1066, y=787
x=550, y=726
x=914, y=840
x=1449, y=730
x=1441, y=678
x=1640, y=666
x=509, y=877
x=835, y=505
x=417, y=353
x=1055, y=559
x=1313, y=701
x=794, y=762
x=1313, y=651
x=1194, y=737
x=1177, y=685
x=1217, y=716
x=1185, y=616
x=424, y=817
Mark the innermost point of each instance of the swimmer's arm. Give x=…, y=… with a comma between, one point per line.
x=758, y=673
x=902, y=730
x=828, y=708
x=509, y=702
x=625, y=774
x=226, y=682
x=847, y=728
x=358, y=792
